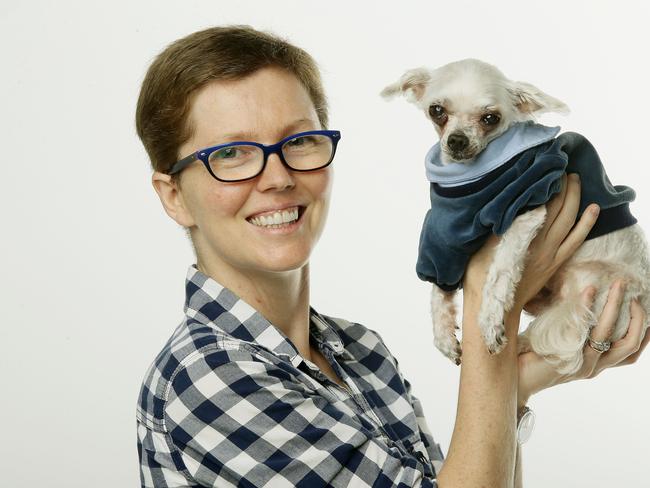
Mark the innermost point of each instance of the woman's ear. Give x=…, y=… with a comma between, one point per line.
x=411, y=84
x=171, y=197
x=529, y=99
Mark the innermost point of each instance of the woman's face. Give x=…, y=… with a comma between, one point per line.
x=264, y=107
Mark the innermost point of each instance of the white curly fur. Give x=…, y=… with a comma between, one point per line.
x=562, y=324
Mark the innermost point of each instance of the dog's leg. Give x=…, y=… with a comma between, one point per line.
x=443, y=316
x=504, y=275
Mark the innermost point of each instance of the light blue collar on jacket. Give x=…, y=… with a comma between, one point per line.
x=519, y=137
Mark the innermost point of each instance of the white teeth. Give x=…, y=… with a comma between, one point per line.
x=277, y=218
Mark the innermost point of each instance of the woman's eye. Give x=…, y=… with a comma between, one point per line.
x=226, y=152
x=490, y=119
x=300, y=141
x=235, y=152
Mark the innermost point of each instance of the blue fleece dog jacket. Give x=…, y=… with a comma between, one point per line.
x=516, y=172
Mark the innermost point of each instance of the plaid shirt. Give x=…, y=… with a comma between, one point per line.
x=229, y=401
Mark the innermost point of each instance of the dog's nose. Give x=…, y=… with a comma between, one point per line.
x=457, y=142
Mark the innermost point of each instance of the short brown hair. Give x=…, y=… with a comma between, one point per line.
x=189, y=63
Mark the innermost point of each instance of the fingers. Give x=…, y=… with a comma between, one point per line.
x=609, y=315
x=554, y=205
x=577, y=236
x=559, y=229
x=632, y=358
x=634, y=334
x=629, y=348
x=568, y=211
x=603, y=330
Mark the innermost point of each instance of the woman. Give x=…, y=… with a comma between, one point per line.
x=255, y=387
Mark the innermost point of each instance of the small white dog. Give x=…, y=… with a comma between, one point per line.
x=493, y=157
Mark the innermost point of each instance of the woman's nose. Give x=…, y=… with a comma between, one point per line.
x=275, y=174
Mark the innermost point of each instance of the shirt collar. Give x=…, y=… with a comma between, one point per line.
x=214, y=305
x=519, y=137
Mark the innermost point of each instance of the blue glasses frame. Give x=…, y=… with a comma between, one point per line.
x=203, y=155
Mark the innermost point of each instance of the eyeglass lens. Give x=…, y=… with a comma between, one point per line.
x=242, y=161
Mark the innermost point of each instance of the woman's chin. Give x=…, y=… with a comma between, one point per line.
x=284, y=262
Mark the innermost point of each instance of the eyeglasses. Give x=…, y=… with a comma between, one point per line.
x=243, y=160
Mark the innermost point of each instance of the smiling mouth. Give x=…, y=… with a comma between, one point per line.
x=279, y=218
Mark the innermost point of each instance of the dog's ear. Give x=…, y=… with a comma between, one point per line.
x=529, y=99
x=411, y=84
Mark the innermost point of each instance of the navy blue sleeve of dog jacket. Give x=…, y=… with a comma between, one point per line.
x=461, y=218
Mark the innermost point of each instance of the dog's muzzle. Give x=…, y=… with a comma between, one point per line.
x=457, y=142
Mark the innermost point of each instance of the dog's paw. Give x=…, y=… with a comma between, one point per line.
x=449, y=346
x=495, y=338
x=493, y=330
x=491, y=312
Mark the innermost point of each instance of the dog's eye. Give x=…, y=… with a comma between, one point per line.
x=436, y=111
x=490, y=119
x=438, y=115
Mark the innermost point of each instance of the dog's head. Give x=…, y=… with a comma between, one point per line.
x=470, y=103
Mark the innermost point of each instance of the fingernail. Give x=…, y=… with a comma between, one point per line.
x=575, y=177
x=594, y=210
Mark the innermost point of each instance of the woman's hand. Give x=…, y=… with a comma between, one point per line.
x=535, y=374
x=554, y=243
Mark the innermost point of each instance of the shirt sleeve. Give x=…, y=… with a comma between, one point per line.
x=238, y=419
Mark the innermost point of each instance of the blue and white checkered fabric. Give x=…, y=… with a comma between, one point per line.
x=229, y=401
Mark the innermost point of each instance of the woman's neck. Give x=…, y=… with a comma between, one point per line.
x=281, y=297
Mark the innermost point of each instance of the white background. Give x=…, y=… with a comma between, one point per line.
x=92, y=269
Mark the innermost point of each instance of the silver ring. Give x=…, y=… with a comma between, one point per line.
x=598, y=346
